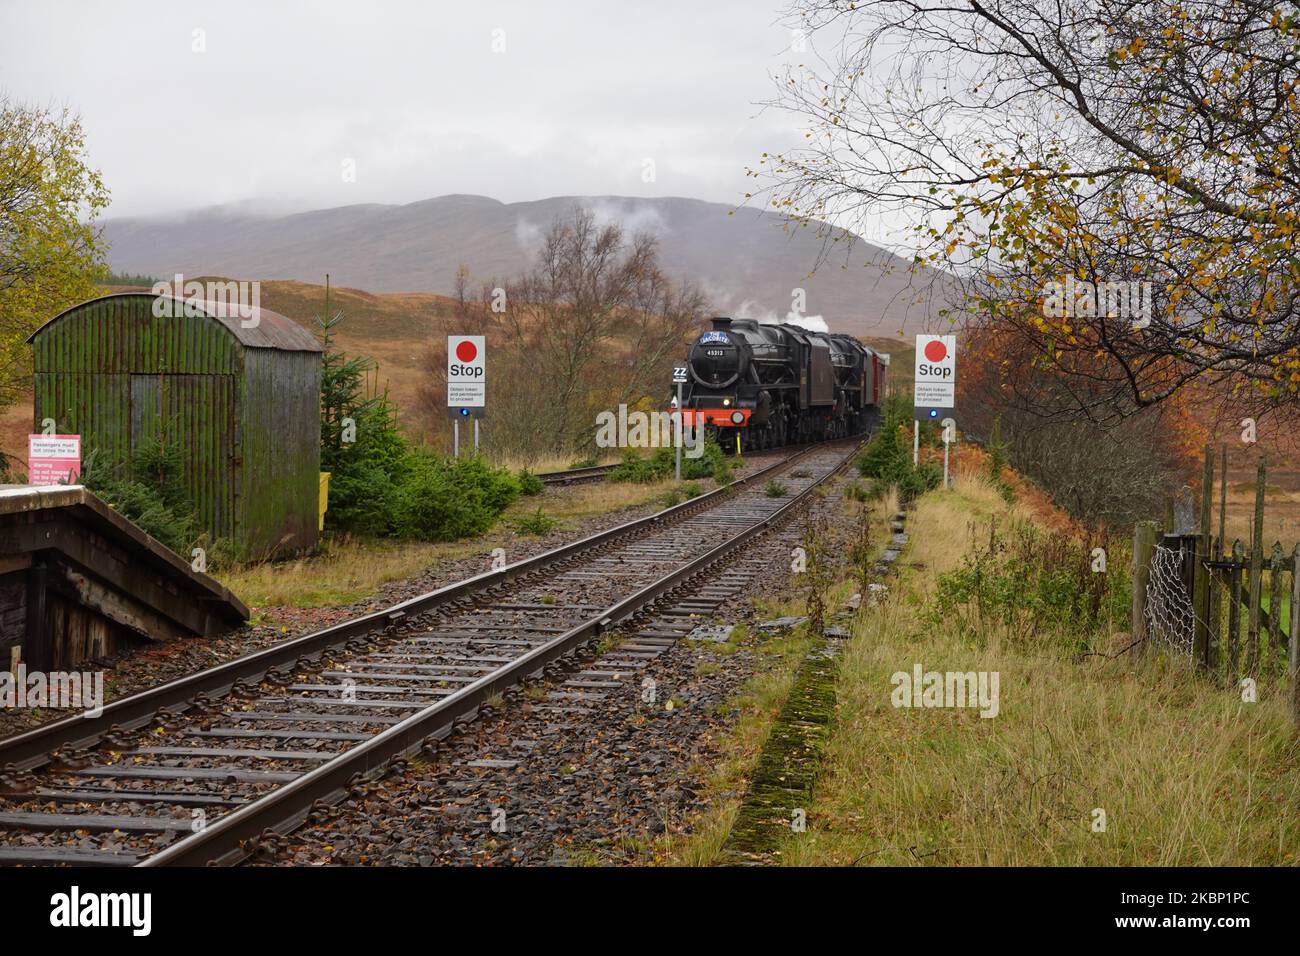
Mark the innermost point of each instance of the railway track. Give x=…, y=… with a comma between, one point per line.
x=198, y=770
x=576, y=476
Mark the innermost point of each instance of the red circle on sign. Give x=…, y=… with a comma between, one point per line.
x=935, y=351
x=466, y=351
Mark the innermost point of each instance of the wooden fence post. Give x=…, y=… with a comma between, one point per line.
x=1214, y=620
x=1220, y=578
x=1256, y=576
x=1144, y=546
x=1275, y=566
x=1234, y=614
x=1223, y=501
x=1200, y=573
x=1293, y=645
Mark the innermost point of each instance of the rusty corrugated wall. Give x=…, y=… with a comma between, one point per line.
x=247, y=417
x=279, y=500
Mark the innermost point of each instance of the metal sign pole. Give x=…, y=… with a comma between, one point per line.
x=476, y=437
x=455, y=438
x=916, y=442
x=681, y=430
x=949, y=436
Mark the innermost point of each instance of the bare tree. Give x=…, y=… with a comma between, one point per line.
x=593, y=324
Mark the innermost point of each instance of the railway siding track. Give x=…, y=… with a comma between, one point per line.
x=303, y=723
x=576, y=476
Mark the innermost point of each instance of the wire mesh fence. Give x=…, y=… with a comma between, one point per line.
x=1171, y=619
x=1234, y=612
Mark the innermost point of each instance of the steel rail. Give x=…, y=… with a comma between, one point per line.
x=284, y=808
x=35, y=748
x=575, y=476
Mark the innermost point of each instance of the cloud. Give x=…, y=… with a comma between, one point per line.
x=356, y=81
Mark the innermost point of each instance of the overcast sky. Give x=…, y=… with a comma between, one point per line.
x=412, y=93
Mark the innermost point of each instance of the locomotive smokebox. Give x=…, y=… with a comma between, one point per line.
x=718, y=358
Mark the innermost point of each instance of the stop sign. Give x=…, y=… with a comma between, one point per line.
x=466, y=374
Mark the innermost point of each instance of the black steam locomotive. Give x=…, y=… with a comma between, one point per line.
x=774, y=385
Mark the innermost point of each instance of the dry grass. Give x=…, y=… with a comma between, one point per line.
x=350, y=569
x=345, y=570
x=572, y=504
x=757, y=706
x=548, y=463
x=1186, y=774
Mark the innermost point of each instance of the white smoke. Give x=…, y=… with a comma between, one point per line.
x=751, y=310
x=813, y=323
x=633, y=217
x=528, y=235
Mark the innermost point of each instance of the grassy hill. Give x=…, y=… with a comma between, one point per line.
x=746, y=261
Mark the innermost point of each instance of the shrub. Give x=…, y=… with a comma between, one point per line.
x=662, y=464
x=379, y=483
x=707, y=464
x=588, y=462
x=537, y=523
x=724, y=471
x=530, y=484
x=774, y=489
x=888, y=461
x=441, y=499
x=362, y=499
x=152, y=495
x=361, y=447
x=643, y=469
x=1032, y=583
x=692, y=490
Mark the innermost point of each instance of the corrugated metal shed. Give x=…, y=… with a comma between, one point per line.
x=240, y=394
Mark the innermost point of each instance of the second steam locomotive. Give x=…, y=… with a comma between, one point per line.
x=772, y=385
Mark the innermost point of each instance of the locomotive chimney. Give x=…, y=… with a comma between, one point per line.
x=721, y=322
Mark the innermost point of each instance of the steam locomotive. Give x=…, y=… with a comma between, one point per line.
x=775, y=385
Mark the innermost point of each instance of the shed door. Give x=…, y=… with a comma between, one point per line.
x=145, y=392
x=198, y=413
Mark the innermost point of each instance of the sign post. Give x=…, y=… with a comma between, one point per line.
x=949, y=436
x=53, y=459
x=466, y=384
x=679, y=379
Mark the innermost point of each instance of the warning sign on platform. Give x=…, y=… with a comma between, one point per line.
x=53, y=459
